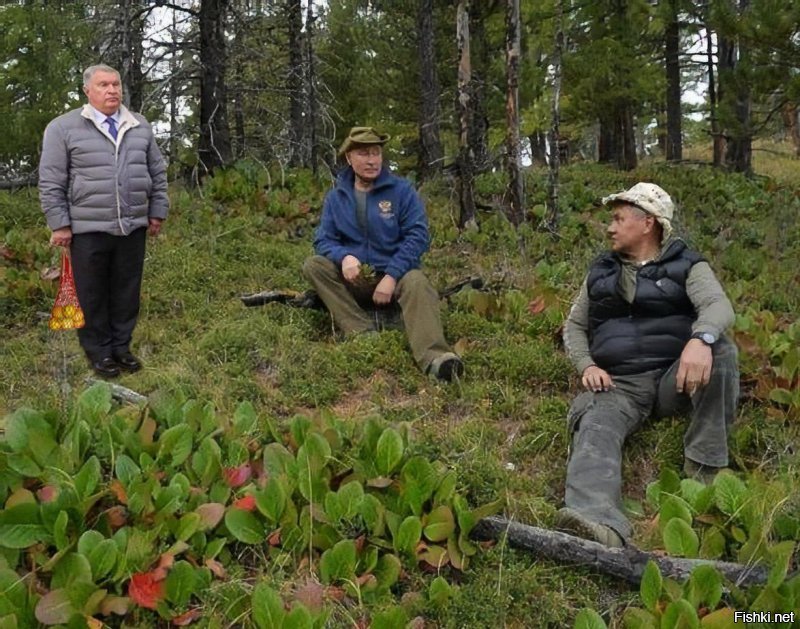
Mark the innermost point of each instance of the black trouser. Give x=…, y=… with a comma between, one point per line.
x=108, y=278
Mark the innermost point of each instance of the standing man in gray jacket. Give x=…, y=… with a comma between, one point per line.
x=646, y=336
x=103, y=187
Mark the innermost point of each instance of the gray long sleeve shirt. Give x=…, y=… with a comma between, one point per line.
x=714, y=310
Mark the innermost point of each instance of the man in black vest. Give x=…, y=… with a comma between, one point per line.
x=646, y=335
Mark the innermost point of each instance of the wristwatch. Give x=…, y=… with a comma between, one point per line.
x=707, y=338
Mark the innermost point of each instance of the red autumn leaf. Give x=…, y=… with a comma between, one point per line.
x=237, y=476
x=247, y=503
x=186, y=618
x=537, y=306
x=145, y=590
x=161, y=571
x=117, y=516
x=119, y=491
x=48, y=493
x=274, y=538
x=217, y=569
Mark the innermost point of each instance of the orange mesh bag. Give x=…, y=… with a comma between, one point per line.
x=67, y=313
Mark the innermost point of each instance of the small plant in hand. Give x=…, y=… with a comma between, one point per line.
x=110, y=512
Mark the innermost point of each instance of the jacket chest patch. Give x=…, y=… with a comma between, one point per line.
x=385, y=208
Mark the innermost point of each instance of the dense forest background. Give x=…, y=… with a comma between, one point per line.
x=464, y=86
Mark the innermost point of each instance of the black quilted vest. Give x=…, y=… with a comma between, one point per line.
x=651, y=332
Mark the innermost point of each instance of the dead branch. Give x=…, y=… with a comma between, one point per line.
x=120, y=393
x=626, y=563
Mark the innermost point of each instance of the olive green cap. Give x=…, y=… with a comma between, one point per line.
x=362, y=135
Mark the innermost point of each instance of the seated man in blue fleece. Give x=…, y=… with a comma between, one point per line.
x=371, y=236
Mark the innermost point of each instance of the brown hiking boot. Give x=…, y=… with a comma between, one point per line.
x=570, y=521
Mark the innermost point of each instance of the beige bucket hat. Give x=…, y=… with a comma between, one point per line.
x=650, y=198
x=363, y=135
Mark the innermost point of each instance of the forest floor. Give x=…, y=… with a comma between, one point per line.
x=502, y=427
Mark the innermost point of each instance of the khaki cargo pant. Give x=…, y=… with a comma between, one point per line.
x=600, y=422
x=418, y=301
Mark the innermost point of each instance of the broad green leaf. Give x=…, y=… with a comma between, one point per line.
x=392, y=618
x=278, y=461
x=408, y=535
x=387, y=572
x=635, y=618
x=770, y=600
x=181, y=583
x=712, y=545
x=589, y=619
x=73, y=568
x=699, y=496
x=103, y=558
x=271, y=501
x=440, y=524
x=176, y=444
x=653, y=494
x=94, y=403
x=244, y=526
x=350, y=496
x=729, y=492
x=680, y=539
x=680, y=615
x=13, y=592
x=704, y=587
x=19, y=426
x=126, y=469
x=55, y=608
x=244, y=418
x=674, y=507
x=21, y=526
x=669, y=481
x=298, y=618
x=9, y=622
x=338, y=562
x=24, y=465
x=89, y=541
x=207, y=461
x=650, y=587
x=88, y=477
x=188, y=525
x=60, y=531
x=446, y=488
x=419, y=482
x=268, y=612
x=389, y=451
x=439, y=591
x=371, y=510
x=780, y=556
x=299, y=426
x=720, y=619
x=485, y=510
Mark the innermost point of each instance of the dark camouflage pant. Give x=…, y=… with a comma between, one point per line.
x=600, y=423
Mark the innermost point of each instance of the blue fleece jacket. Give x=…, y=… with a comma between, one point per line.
x=397, y=228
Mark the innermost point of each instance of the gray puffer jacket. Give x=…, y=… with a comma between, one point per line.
x=92, y=184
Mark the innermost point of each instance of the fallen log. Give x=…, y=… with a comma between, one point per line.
x=120, y=393
x=626, y=563
x=310, y=299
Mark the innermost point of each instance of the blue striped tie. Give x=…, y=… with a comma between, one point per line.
x=112, y=128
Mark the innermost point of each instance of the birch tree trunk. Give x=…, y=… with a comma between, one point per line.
x=465, y=155
x=294, y=83
x=551, y=214
x=674, y=148
x=516, y=200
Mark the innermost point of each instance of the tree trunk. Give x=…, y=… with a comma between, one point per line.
x=431, y=154
x=713, y=100
x=516, y=199
x=550, y=221
x=607, y=141
x=738, y=156
x=214, y=148
x=790, y=123
x=465, y=155
x=626, y=138
x=479, y=120
x=538, y=142
x=674, y=146
x=127, y=51
x=311, y=88
x=294, y=84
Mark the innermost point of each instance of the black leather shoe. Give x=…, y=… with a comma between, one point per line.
x=128, y=362
x=106, y=367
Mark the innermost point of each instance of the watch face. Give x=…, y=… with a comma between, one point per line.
x=707, y=338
